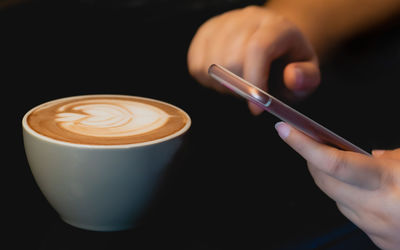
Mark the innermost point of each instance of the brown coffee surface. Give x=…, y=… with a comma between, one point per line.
x=107, y=120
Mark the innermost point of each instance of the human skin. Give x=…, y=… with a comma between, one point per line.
x=246, y=41
x=366, y=188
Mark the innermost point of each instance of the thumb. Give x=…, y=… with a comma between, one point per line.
x=302, y=78
x=349, y=167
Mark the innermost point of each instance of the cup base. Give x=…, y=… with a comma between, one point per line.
x=100, y=228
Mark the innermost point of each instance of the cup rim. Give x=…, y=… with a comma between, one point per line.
x=178, y=133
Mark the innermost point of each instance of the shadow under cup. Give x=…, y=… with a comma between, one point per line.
x=96, y=187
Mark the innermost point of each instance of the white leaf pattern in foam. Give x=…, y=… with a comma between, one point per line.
x=111, y=118
x=69, y=117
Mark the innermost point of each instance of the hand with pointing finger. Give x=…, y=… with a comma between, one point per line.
x=366, y=189
x=246, y=42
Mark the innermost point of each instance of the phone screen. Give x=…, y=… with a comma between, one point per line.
x=280, y=109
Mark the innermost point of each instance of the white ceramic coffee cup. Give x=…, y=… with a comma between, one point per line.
x=102, y=188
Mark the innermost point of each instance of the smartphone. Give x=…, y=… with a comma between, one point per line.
x=280, y=109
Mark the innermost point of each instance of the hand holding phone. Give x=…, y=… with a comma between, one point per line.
x=280, y=109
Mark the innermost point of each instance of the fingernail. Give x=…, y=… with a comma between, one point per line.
x=378, y=152
x=283, y=129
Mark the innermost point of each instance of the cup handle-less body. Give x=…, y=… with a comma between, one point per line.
x=94, y=187
x=280, y=109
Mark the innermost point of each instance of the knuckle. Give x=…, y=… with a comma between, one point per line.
x=193, y=67
x=234, y=64
x=197, y=70
x=317, y=177
x=319, y=181
x=258, y=44
x=335, y=163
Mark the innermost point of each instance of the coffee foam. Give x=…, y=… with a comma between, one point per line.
x=107, y=120
x=110, y=118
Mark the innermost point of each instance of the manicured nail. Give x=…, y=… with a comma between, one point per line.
x=283, y=129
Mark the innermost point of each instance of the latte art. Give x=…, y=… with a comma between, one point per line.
x=110, y=118
x=107, y=120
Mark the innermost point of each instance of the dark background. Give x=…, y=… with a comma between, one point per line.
x=234, y=184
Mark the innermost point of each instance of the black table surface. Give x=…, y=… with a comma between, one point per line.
x=234, y=183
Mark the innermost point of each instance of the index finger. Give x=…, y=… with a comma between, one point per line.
x=349, y=167
x=265, y=46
